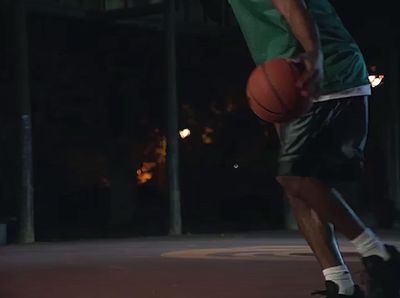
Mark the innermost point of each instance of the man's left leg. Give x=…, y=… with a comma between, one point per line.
x=331, y=133
x=382, y=261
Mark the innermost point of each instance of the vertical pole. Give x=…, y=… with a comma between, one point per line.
x=394, y=162
x=172, y=137
x=26, y=216
x=223, y=13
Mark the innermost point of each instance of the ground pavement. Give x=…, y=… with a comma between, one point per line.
x=248, y=265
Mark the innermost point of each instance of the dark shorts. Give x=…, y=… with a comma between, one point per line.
x=326, y=143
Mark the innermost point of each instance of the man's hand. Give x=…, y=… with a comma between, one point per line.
x=312, y=73
x=306, y=32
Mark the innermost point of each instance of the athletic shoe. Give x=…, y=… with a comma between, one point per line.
x=384, y=276
x=332, y=291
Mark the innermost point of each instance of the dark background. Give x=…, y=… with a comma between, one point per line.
x=98, y=110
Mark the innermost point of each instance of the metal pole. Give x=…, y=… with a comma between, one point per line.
x=223, y=13
x=26, y=214
x=394, y=162
x=172, y=137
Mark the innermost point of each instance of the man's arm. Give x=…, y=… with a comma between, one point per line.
x=306, y=32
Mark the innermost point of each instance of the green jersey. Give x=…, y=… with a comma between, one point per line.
x=268, y=36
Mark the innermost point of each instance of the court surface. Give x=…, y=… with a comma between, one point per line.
x=248, y=265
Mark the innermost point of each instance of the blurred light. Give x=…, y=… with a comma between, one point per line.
x=206, y=136
x=375, y=80
x=184, y=133
x=236, y=166
x=146, y=172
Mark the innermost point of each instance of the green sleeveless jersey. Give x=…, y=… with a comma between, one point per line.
x=268, y=36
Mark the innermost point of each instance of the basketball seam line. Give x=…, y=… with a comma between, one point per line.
x=275, y=91
x=264, y=108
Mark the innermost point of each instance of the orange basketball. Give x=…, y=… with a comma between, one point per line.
x=272, y=93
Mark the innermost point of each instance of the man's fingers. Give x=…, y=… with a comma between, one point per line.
x=311, y=87
x=305, y=78
x=311, y=74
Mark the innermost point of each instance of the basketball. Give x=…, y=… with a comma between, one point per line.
x=272, y=93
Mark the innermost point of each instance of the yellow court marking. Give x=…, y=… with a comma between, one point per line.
x=255, y=253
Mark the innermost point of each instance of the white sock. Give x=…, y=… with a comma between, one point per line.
x=341, y=276
x=368, y=244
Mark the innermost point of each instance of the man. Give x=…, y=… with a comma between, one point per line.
x=326, y=144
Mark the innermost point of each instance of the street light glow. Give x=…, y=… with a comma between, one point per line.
x=184, y=133
x=375, y=80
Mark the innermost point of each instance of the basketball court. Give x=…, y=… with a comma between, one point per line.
x=253, y=265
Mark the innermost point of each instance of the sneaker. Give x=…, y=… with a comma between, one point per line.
x=384, y=276
x=332, y=291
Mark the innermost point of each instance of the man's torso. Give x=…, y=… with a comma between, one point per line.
x=268, y=36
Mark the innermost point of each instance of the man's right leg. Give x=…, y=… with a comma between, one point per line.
x=319, y=235
x=321, y=239
x=328, y=204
